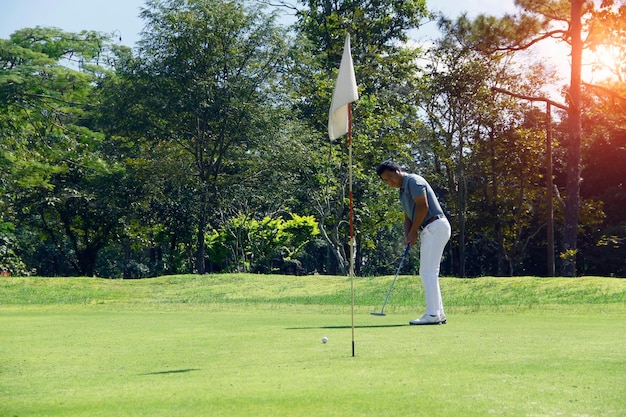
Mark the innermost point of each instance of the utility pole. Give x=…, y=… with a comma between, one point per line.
x=549, y=187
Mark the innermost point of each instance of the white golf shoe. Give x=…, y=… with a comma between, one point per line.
x=428, y=319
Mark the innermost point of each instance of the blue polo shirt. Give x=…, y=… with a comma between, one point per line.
x=413, y=186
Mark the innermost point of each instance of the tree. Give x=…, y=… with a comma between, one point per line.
x=567, y=21
x=205, y=79
x=455, y=98
x=57, y=180
x=486, y=152
x=604, y=158
x=384, y=119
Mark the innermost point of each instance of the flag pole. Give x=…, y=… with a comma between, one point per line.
x=340, y=123
x=352, y=240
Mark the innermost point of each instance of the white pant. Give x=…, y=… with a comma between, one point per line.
x=433, y=240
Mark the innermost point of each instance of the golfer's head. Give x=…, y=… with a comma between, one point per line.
x=391, y=173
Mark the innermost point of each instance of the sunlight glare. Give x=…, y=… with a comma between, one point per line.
x=603, y=64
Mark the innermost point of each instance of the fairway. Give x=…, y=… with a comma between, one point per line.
x=87, y=357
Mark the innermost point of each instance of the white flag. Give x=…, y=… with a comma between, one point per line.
x=345, y=92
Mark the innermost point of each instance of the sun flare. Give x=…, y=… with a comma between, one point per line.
x=603, y=63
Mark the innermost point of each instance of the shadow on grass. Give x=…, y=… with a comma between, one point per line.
x=174, y=371
x=369, y=326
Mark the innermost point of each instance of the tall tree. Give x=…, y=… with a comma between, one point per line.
x=384, y=122
x=572, y=202
x=205, y=79
x=491, y=169
x=455, y=99
x=571, y=22
x=57, y=180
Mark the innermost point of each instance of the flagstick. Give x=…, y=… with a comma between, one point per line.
x=340, y=112
x=352, y=241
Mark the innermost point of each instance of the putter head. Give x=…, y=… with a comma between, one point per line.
x=376, y=313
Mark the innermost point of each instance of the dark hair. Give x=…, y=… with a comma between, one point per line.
x=388, y=166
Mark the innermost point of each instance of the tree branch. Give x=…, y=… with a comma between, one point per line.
x=605, y=90
x=522, y=96
x=521, y=47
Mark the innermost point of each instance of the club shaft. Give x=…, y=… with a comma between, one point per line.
x=382, y=310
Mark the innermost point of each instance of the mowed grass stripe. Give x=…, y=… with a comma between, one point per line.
x=318, y=289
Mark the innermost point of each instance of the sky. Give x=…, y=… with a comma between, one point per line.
x=122, y=16
x=109, y=16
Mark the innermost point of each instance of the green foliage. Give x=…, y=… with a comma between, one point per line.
x=584, y=26
x=184, y=154
x=384, y=117
x=256, y=244
x=10, y=262
x=204, y=87
x=58, y=180
x=608, y=256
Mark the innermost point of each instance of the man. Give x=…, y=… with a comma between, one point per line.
x=422, y=216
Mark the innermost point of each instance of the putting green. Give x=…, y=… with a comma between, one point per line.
x=269, y=360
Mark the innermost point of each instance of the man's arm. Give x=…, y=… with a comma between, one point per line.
x=407, y=226
x=411, y=229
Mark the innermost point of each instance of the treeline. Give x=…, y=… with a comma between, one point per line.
x=204, y=149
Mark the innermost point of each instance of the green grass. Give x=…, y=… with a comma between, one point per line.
x=250, y=345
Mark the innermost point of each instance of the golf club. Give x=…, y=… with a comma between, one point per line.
x=382, y=310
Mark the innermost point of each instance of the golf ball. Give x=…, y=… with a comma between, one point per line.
x=324, y=339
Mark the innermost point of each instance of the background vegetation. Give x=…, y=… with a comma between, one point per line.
x=204, y=149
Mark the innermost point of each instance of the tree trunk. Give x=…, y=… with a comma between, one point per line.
x=462, y=202
x=87, y=260
x=127, y=258
x=207, y=190
x=336, y=251
x=200, y=246
x=572, y=200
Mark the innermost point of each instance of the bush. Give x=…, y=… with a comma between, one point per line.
x=257, y=245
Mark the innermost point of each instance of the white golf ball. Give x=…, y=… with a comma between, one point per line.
x=324, y=339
